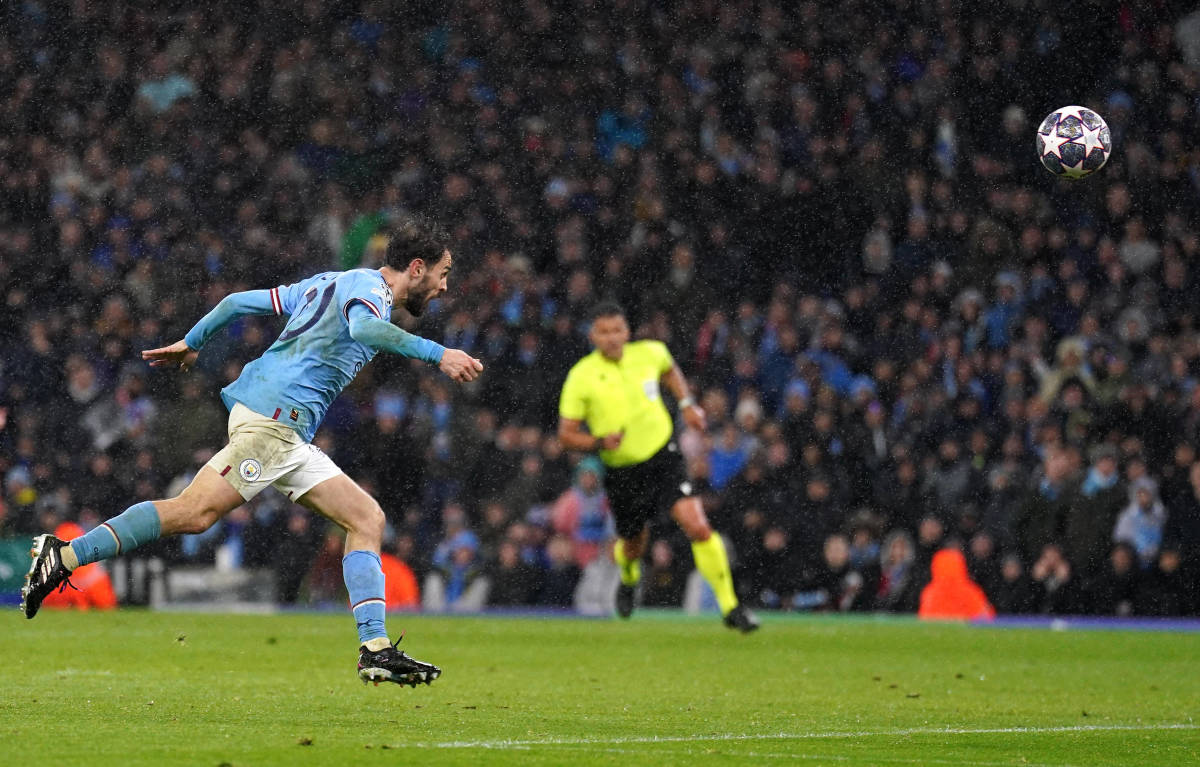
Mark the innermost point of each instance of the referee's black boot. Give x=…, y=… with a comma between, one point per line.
x=741, y=619
x=625, y=600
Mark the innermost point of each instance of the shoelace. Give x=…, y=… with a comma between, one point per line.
x=67, y=582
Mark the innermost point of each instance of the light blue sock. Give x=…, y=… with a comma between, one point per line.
x=364, y=580
x=136, y=526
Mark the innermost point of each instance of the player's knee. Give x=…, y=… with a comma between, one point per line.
x=371, y=521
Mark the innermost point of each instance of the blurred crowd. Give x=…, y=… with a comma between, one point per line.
x=906, y=334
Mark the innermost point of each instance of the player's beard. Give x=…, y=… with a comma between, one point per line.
x=416, y=301
x=415, y=304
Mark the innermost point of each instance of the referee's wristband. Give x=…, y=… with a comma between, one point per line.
x=686, y=402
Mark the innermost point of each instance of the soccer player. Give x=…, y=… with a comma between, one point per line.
x=616, y=391
x=335, y=323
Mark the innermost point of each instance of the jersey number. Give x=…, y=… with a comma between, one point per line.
x=310, y=294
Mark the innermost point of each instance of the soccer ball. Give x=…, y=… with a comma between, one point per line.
x=1073, y=142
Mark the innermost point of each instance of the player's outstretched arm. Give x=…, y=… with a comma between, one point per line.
x=183, y=353
x=383, y=336
x=229, y=309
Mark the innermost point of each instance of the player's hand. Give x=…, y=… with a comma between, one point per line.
x=460, y=366
x=177, y=354
x=693, y=416
x=612, y=441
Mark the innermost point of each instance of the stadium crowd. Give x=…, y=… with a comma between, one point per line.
x=906, y=334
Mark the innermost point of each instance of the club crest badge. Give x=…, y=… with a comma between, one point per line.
x=250, y=469
x=385, y=294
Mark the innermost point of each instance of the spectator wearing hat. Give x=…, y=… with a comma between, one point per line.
x=581, y=513
x=457, y=581
x=1141, y=523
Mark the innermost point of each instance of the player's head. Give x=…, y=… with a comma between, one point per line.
x=610, y=330
x=417, y=247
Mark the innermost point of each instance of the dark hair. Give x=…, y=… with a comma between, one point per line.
x=415, y=236
x=606, y=309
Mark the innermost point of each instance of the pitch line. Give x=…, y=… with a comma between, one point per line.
x=827, y=735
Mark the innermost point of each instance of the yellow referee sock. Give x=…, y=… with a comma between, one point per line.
x=631, y=571
x=713, y=564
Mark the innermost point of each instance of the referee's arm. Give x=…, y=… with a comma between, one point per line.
x=573, y=437
x=693, y=414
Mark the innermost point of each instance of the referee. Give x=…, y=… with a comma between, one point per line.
x=615, y=391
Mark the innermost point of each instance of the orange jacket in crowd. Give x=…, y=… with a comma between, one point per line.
x=951, y=593
x=95, y=587
x=401, y=591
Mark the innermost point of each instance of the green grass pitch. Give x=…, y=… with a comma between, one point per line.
x=140, y=688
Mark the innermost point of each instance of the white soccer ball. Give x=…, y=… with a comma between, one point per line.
x=1073, y=142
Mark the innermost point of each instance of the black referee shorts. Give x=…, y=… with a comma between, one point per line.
x=638, y=493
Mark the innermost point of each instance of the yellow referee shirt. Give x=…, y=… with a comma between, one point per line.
x=614, y=396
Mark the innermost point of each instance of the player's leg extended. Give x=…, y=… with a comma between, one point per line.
x=197, y=508
x=206, y=499
x=341, y=500
x=708, y=551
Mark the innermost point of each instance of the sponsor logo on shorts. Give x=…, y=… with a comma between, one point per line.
x=250, y=469
x=294, y=415
x=685, y=488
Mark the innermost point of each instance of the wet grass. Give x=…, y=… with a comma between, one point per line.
x=139, y=688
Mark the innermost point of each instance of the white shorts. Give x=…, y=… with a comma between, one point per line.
x=264, y=453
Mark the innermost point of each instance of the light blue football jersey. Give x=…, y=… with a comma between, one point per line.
x=314, y=358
